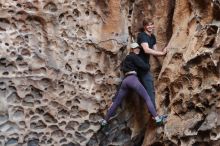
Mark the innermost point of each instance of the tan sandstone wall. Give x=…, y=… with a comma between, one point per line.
x=188, y=82
x=59, y=69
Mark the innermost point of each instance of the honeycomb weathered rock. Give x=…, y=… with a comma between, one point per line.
x=56, y=60
x=59, y=68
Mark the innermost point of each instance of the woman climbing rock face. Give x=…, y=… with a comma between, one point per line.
x=130, y=66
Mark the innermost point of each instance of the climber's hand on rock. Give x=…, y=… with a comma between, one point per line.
x=164, y=51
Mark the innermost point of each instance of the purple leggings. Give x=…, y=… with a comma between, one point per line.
x=131, y=82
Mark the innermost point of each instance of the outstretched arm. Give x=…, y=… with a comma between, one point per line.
x=154, y=51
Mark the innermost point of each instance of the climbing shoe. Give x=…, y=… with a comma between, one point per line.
x=103, y=122
x=160, y=120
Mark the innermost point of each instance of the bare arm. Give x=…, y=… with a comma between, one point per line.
x=155, y=47
x=152, y=51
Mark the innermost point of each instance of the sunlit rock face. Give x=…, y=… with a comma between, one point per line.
x=60, y=66
x=188, y=84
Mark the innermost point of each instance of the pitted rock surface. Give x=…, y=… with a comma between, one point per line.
x=57, y=61
x=60, y=67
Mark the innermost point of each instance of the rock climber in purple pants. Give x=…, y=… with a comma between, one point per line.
x=131, y=66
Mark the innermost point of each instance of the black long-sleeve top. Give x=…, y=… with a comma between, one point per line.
x=133, y=62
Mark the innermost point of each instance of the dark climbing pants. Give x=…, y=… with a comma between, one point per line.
x=148, y=83
x=131, y=82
